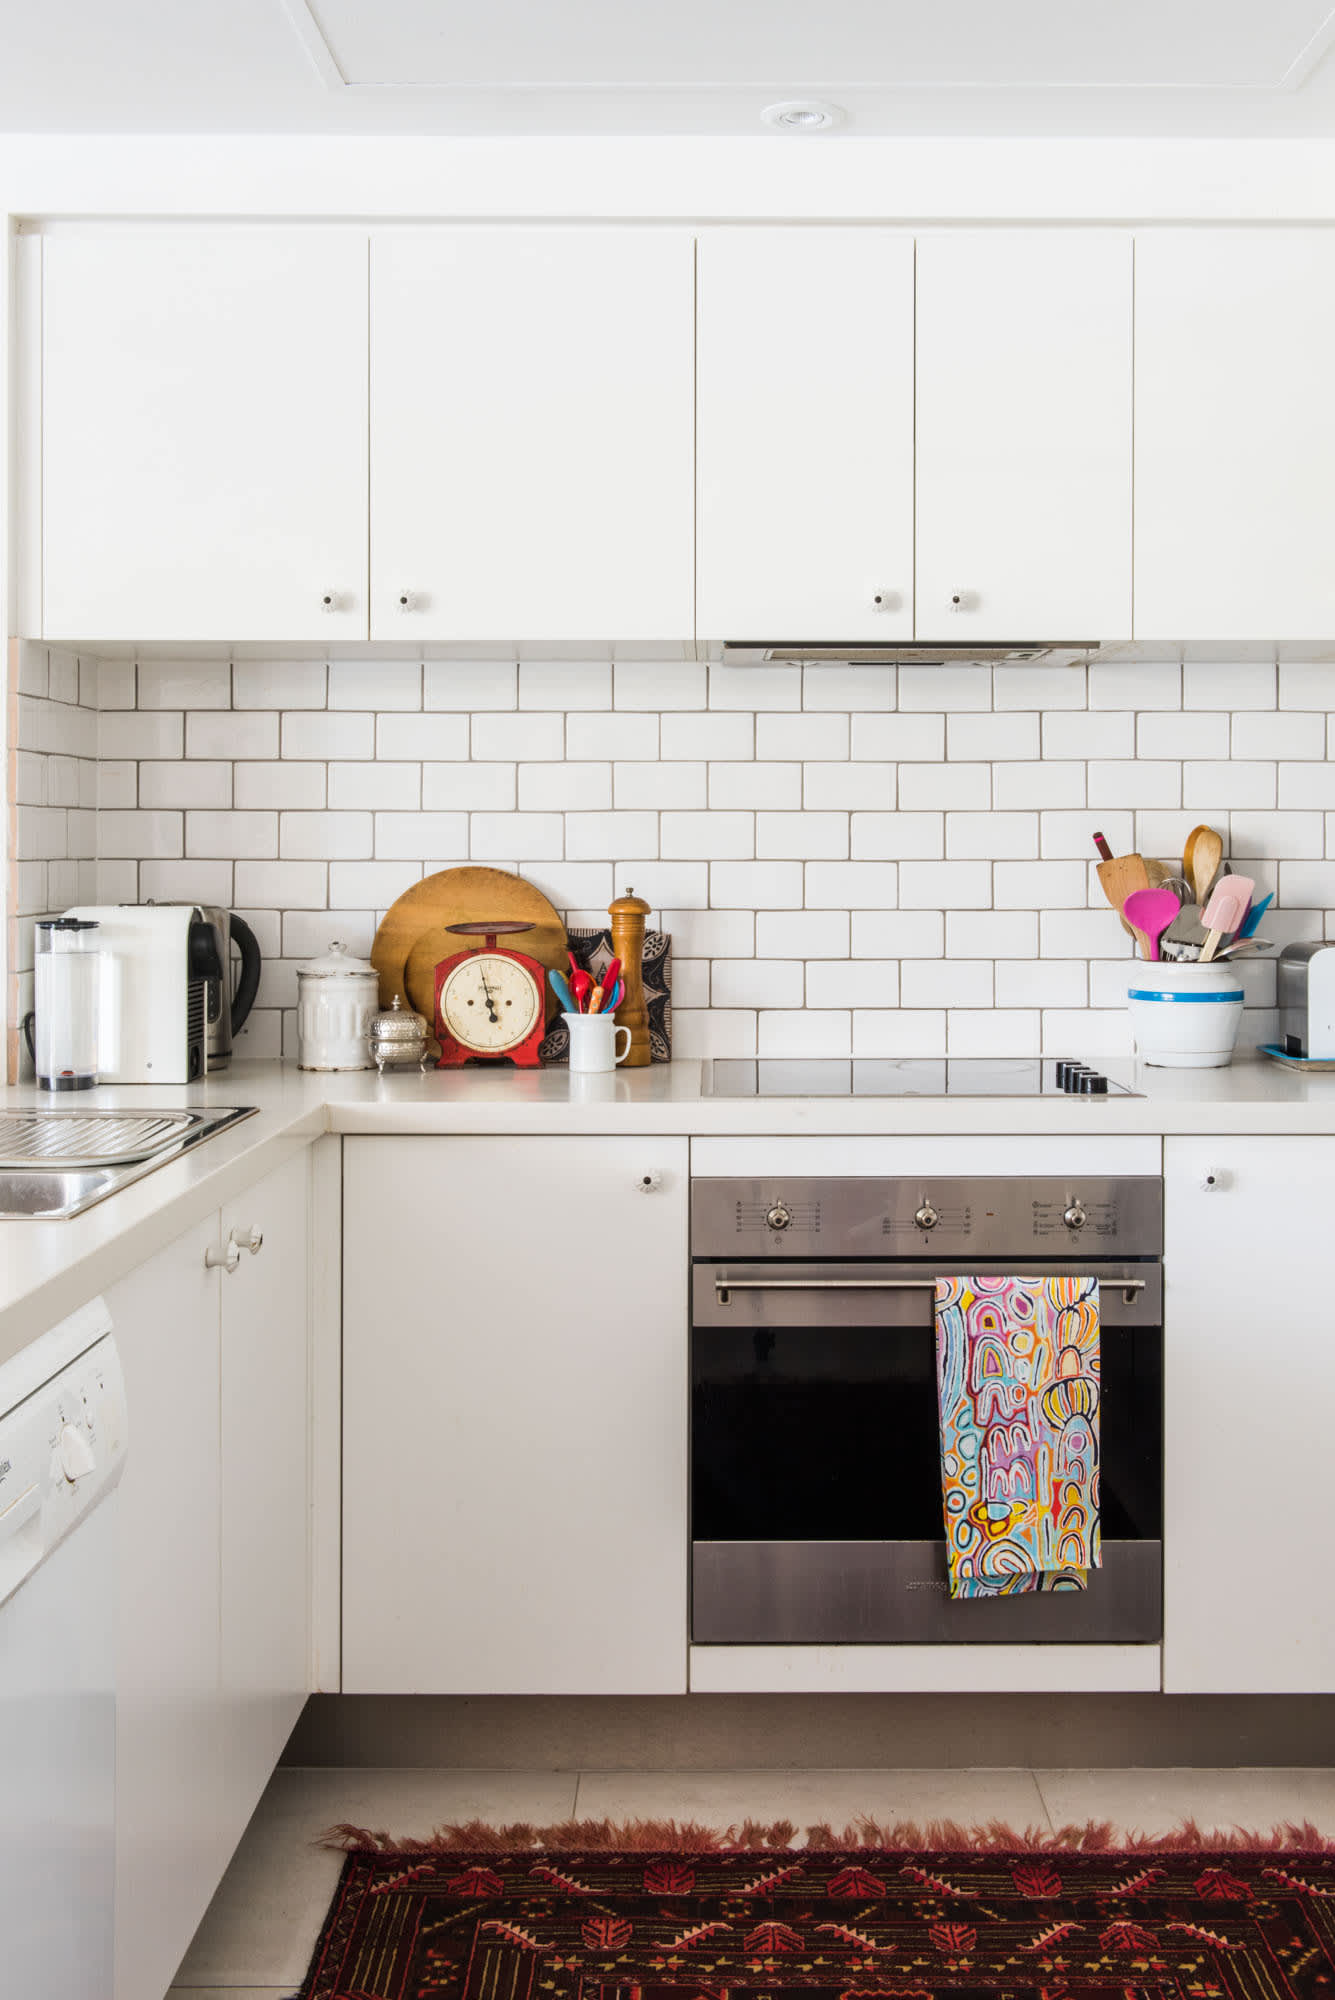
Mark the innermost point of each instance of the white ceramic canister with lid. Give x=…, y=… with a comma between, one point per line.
x=1184, y=1016
x=337, y=994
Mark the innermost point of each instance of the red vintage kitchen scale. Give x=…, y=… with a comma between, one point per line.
x=489, y=1000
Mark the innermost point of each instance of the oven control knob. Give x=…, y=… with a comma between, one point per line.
x=1074, y=1217
x=778, y=1217
x=926, y=1217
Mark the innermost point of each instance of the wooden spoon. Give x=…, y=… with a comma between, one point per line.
x=1200, y=860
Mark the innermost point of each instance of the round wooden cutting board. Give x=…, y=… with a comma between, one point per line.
x=413, y=938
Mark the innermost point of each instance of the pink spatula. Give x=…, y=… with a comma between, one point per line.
x=1150, y=911
x=1225, y=911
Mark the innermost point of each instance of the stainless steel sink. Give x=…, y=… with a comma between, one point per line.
x=36, y=1188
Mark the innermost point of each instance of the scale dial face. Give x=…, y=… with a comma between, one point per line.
x=489, y=1003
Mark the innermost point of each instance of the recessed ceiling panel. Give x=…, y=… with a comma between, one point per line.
x=1006, y=44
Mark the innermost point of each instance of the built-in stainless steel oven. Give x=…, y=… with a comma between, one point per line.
x=816, y=1510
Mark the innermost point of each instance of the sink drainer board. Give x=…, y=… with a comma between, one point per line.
x=87, y=1138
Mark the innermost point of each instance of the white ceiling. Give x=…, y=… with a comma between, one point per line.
x=1031, y=67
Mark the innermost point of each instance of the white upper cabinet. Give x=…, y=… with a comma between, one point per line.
x=805, y=435
x=531, y=410
x=1235, y=434
x=204, y=434
x=1024, y=435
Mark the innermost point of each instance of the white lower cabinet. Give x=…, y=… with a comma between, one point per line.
x=211, y=1666
x=1249, y=1386
x=515, y=1416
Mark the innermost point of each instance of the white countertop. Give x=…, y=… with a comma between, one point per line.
x=47, y=1269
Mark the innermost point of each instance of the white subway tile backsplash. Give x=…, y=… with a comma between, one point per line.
x=941, y=787
x=658, y=787
x=599, y=737
x=945, y=885
x=661, y=686
x=795, y=738
x=468, y=686
x=602, y=836
x=496, y=836
x=140, y=836
x=899, y=1031
x=898, y=836
x=1134, y=783
x=1229, y=684
x=992, y=738
x=567, y=787
x=896, y=739
x=808, y=1031
x=190, y=685
x=755, y=885
x=847, y=688
x=946, y=982
x=750, y=786
x=755, y=688
x=374, y=685
x=1215, y=788
x=1085, y=736
x=323, y=836
x=947, y=688
x=1184, y=733
x=516, y=738
x=229, y=736
x=128, y=734
x=847, y=856
x=703, y=836
x=232, y=835
x=802, y=836
x=551, y=685
x=848, y=787
x=197, y=782
x=759, y=982
x=1310, y=786
x=279, y=684
x=991, y=835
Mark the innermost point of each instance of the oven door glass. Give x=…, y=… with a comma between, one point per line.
x=815, y=1453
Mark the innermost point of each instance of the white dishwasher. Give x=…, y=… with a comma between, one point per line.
x=62, y=1446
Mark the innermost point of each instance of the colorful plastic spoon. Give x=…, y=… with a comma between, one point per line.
x=580, y=986
x=1151, y=911
x=562, y=991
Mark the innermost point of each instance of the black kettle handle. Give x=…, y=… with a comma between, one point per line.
x=249, y=983
x=27, y=1025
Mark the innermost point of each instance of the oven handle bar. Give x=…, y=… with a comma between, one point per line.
x=724, y=1286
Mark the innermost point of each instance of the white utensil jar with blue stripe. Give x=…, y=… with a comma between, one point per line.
x=1184, y=1016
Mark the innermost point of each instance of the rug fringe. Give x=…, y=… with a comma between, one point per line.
x=864, y=1835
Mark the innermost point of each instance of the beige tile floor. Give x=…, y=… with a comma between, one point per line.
x=258, y=1934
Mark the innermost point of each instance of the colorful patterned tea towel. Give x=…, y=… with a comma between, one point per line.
x=1017, y=1369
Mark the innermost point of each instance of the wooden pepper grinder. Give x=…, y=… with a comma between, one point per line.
x=628, y=913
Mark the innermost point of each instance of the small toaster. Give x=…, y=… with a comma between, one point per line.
x=1306, y=992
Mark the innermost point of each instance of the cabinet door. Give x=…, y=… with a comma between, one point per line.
x=805, y=435
x=1235, y=434
x=265, y=1484
x=531, y=410
x=514, y=1416
x=170, y=1750
x=1024, y=435
x=1249, y=1376
x=204, y=434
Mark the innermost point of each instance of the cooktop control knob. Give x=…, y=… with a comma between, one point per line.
x=1075, y=1216
x=778, y=1217
x=927, y=1217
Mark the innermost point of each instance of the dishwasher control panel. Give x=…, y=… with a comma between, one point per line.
x=62, y=1447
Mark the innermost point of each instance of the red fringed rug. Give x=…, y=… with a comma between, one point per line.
x=1042, y=1918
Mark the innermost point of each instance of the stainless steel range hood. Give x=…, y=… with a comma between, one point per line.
x=757, y=652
